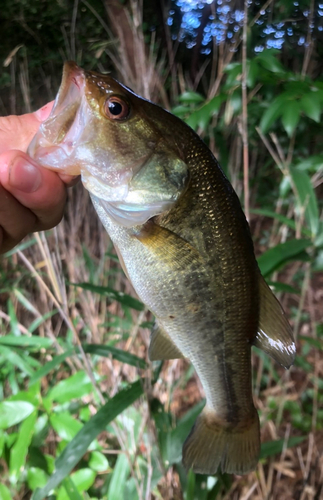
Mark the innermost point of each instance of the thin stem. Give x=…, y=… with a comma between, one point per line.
x=245, y=113
x=66, y=319
x=73, y=27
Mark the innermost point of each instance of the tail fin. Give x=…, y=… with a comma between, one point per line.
x=211, y=444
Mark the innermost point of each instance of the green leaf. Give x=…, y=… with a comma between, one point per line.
x=318, y=242
x=31, y=396
x=48, y=367
x=282, y=287
x=120, y=473
x=25, y=302
x=233, y=71
x=21, y=247
x=204, y=115
x=280, y=254
x=180, y=110
x=38, y=321
x=119, y=354
x=285, y=186
x=281, y=218
x=306, y=198
x=253, y=71
x=192, y=120
x=275, y=447
x=98, y=462
x=191, y=98
x=68, y=490
x=2, y=441
x=37, y=460
x=26, y=341
x=5, y=493
x=171, y=439
x=80, y=481
x=75, y=450
x=36, y=478
x=235, y=101
x=268, y=60
x=190, y=488
x=290, y=116
x=120, y=297
x=20, y=448
x=274, y=110
x=13, y=319
x=14, y=358
x=311, y=105
x=13, y=412
x=178, y=435
x=65, y=425
x=318, y=344
x=73, y=387
x=313, y=163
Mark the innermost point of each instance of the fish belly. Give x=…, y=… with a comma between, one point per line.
x=198, y=318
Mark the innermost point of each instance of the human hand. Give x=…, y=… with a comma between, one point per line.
x=32, y=198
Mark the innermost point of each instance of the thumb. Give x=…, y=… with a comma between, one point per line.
x=16, y=132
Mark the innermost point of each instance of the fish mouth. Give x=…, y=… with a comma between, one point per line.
x=61, y=143
x=55, y=143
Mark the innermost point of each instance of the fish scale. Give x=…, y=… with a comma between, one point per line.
x=185, y=245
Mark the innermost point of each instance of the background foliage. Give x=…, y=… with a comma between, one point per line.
x=83, y=413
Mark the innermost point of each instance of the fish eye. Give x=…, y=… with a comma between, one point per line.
x=116, y=108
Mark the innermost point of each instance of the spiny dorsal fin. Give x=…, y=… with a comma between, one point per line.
x=274, y=335
x=161, y=345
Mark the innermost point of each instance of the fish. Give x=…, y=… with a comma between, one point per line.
x=184, y=243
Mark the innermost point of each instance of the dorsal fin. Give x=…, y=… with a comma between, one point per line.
x=161, y=345
x=274, y=335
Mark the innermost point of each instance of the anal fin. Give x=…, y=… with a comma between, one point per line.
x=161, y=345
x=274, y=336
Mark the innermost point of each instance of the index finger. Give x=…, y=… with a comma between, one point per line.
x=16, y=132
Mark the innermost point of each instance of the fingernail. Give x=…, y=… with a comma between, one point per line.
x=43, y=113
x=24, y=176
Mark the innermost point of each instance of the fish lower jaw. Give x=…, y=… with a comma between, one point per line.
x=125, y=214
x=54, y=157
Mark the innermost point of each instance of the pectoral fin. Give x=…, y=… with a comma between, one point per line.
x=161, y=345
x=170, y=249
x=274, y=335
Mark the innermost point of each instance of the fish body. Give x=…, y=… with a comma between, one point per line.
x=185, y=245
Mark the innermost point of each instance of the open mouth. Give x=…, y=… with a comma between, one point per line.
x=55, y=142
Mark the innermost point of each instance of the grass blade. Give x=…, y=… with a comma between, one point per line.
x=13, y=412
x=119, y=354
x=71, y=490
x=307, y=198
x=25, y=341
x=275, y=447
x=20, y=448
x=281, y=218
x=75, y=450
x=122, y=298
x=280, y=254
x=119, y=477
x=44, y=370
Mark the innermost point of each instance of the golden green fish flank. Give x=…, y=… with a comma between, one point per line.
x=190, y=259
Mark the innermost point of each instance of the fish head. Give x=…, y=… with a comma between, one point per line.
x=117, y=141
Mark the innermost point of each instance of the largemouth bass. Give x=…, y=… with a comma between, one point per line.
x=185, y=245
